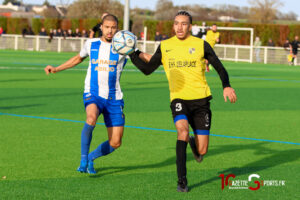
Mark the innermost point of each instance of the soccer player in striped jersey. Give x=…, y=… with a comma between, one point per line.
x=102, y=92
x=183, y=58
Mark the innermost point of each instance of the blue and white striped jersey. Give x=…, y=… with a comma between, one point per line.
x=104, y=71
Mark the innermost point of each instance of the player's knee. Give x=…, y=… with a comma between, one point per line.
x=91, y=120
x=203, y=151
x=115, y=143
x=182, y=131
x=183, y=135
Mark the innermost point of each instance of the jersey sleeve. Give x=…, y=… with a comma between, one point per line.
x=151, y=66
x=210, y=55
x=85, y=51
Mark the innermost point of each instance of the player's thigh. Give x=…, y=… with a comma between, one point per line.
x=115, y=135
x=92, y=108
x=201, y=123
x=113, y=113
x=200, y=120
x=180, y=117
x=182, y=127
x=92, y=113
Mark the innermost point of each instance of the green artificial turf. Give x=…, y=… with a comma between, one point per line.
x=39, y=155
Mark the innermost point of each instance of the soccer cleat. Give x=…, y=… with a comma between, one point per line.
x=193, y=146
x=90, y=168
x=182, y=185
x=83, y=167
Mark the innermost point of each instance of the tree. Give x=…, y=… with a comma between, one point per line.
x=11, y=1
x=46, y=3
x=95, y=8
x=165, y=10
x=263, y=11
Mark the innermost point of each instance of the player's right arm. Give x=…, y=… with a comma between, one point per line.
x=145, y=62
x=72, y=62
x=291, y=49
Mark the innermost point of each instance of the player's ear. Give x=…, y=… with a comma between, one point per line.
x=101, y=27
x=190, y=27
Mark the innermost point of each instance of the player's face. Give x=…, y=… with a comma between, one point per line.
x=214, y=28
x=109, y=29
x=182, y=26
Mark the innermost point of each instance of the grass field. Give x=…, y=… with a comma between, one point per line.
x=41, y=118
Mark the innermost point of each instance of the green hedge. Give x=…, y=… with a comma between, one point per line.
x=16, y=25
x=36, y=25
x=278, y=33
x=265, y=31
x=3, y=23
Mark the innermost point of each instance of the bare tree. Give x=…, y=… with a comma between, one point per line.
x=165, y=10
x=94, y=8
x=263, y=11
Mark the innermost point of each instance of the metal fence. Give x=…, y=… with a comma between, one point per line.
x=237, y=53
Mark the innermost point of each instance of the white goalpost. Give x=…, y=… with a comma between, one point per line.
x=126, y=15
x=224, y=47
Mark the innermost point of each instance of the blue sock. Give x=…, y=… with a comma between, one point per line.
x=102, y=150
x=86, y=137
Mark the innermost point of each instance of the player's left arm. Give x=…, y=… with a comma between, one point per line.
x=228, y=91
x=145, y=62
x=145, y=57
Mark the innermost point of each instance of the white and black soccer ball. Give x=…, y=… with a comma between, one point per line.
x=124, y=42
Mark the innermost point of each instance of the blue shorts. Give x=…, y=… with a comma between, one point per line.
x=112, y=110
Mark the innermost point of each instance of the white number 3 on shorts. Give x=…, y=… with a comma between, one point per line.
x=178, y=107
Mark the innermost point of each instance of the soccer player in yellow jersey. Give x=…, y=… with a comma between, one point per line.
x=183, y=58
x=212, y=37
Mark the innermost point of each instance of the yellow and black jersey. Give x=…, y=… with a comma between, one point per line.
x=183, y=62
x=211, y=37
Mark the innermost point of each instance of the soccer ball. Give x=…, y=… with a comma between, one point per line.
x=124, y=42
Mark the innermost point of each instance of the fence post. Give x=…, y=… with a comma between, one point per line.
x=145, y=38
x=37, y=44
x=251, y=45
x=81, y=43
x=16, y=42
x=225, y=52
x=266, y=55
x=59, y=45
x=236, y=54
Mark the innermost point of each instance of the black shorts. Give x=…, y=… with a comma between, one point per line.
x=197, y=112
x=295, y=52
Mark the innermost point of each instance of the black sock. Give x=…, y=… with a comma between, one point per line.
x=181, y=158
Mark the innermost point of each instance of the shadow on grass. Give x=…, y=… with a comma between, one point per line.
x=276, y=158
x=21, y=80
x=167, y=162
x=23, y=106
x=171, y=161
x=40, y=96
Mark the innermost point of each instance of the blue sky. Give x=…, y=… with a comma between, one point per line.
x=289, y=5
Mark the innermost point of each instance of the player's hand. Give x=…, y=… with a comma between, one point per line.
x=230, y=93
x=50, y=69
